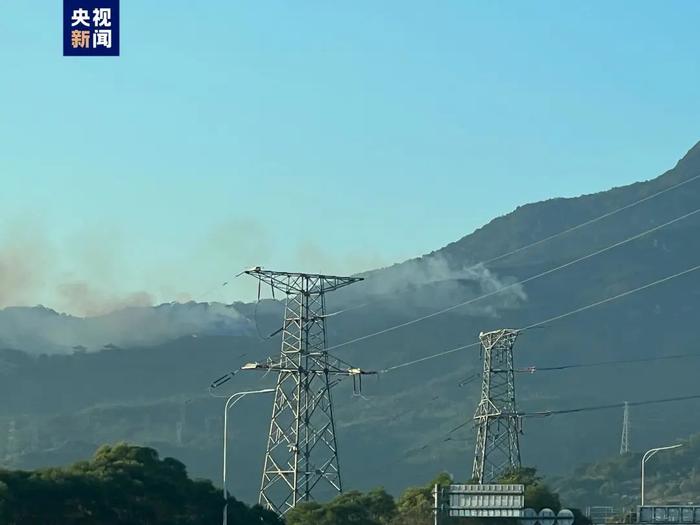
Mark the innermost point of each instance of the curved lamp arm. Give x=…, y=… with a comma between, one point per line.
x=647, y=456
x=232, y=400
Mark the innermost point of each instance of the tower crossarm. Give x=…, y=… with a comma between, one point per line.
x=300, y=283
x=278, y=366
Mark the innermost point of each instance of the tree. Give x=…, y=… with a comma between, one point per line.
x=415, y=506
x=121, y=485
x=382, y=506
x=538, y=495
x=374, y=508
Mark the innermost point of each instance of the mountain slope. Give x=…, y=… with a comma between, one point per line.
x=672, y=477
x=42, y=330
x=157, y=393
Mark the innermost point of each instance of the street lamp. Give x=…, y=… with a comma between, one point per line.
x=647, y=455
x=232, y=400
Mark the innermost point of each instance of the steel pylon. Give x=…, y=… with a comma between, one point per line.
x=625, y=438
x=302, y=452
x=496, y=419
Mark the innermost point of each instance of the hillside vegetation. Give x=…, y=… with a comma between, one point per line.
x=131, y=485
x=120, y=485
x=671, y=477
x=57, y=408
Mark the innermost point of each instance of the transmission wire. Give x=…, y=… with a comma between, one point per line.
x=552, y=319
x=533, y=369
x=517, y=283
x=558, y=234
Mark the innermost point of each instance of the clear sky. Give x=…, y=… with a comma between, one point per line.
x=316, y=135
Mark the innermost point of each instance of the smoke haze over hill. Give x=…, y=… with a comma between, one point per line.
x=153, y=387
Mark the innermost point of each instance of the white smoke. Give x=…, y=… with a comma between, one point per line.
x=41, y=330
x=430, y=282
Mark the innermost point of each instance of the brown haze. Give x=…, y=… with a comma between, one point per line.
x=24, y=256
x=85, y=273
x=31, y=271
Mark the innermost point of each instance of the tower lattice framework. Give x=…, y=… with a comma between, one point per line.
x=302, y=452
x=625, y=438
x=496, y=418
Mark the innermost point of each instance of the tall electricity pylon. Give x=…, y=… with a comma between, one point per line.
x=302, y=452
x=625, y=440
x=496, y=419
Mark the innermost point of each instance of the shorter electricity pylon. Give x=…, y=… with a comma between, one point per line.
x=496, y=419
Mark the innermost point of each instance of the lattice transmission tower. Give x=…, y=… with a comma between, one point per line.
x=625, y=439
x=302, y=451
x=496, y=419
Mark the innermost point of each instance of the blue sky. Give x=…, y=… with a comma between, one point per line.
x=316, y=135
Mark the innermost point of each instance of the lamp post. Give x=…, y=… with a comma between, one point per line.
x=647, y=455
x=232, y=400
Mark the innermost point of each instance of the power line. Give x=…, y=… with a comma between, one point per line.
x=446, y=436
x=532, y=278
x=469, y=379
x=592, y=221
x=224, y=284
x=518, y=283
x=533, y=369
x=613, y=298
x=498, y=257
x=428, y=357
x=551, y=319
x=548, y=413
x=210, y=290
x=561, y=233
x=593, y=408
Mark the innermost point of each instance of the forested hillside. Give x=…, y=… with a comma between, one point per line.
x=672, y=477
x=58, y=408
x=120, y=485
x=130, y=485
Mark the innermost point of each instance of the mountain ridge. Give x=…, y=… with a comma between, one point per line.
x=158, y=393
x=462, y=245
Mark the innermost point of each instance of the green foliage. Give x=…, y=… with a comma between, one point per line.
x=538, y=495
x=672, y=476
x=374, y=508
x=414, y=507
x=130, y=485
x=122, y=484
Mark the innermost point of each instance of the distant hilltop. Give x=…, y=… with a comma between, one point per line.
x=39, y=329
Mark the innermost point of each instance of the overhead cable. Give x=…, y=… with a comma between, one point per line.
x=533, y=369
x=518, y=283
x=552, y=319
